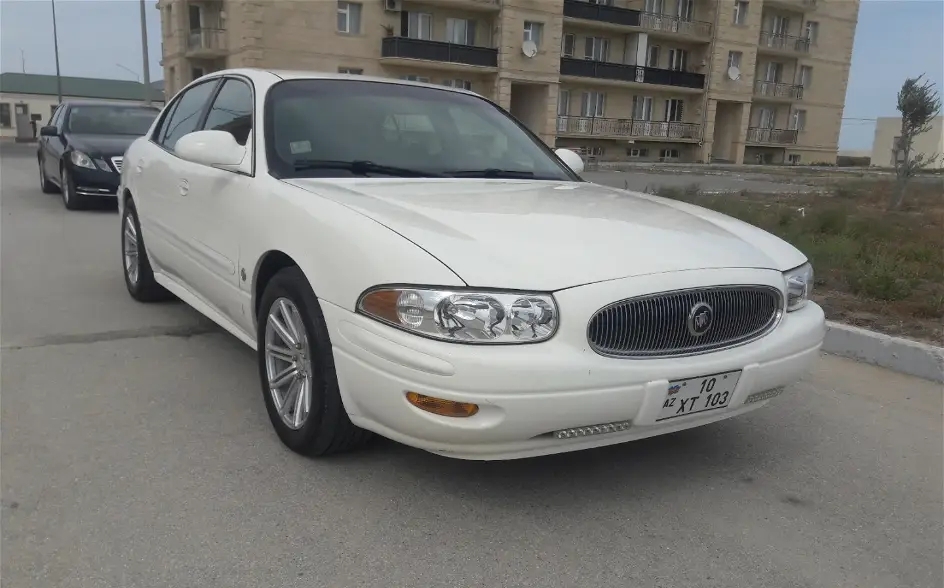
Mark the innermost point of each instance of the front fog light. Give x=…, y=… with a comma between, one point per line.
x=799, y=284
x=464, y=316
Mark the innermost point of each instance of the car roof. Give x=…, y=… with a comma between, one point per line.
x=273, y=76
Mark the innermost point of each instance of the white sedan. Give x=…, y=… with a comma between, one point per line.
x=409, y=260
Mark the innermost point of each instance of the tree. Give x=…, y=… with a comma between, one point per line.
x=919, y=103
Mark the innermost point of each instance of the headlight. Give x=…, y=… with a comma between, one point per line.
x=464, y=316
x=82, y=160
x=799, y=286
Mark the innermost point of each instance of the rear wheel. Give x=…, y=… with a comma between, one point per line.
x=139, y=278
x=296, y=369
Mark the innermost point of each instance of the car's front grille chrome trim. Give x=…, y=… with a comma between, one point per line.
x=659, y=325
x=117, y=161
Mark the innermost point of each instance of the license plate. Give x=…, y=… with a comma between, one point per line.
x=695, y=395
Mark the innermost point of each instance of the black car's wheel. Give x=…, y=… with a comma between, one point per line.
x=44, y=184
x=139, y=277
x=72, y=200
x=296, y=369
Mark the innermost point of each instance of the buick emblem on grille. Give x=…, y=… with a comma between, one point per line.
x=700, y=318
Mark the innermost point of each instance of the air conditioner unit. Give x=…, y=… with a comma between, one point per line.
x=392, y=5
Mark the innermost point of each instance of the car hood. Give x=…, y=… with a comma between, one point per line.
x=548, y=236
x=107, y=145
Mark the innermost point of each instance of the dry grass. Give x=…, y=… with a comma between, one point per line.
x=877, y=269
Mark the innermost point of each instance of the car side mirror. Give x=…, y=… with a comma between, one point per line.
x=212, y=148
x=571, y=159
x=49, y=131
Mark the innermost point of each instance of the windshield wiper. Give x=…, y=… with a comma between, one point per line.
x=492, y=172
x=363, y=168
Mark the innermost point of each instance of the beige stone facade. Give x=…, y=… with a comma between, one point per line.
x=646, y=80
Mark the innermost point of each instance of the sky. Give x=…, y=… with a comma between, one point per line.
x=894, y=39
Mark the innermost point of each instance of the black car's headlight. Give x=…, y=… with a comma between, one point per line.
x=799, y=283
x=464, y=316
x=80, y=159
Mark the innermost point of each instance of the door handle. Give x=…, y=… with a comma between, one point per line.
x=184, y=187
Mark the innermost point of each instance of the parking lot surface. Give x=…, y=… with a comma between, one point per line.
x=136, y=452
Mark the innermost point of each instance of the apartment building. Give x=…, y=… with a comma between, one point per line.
x=752, y=81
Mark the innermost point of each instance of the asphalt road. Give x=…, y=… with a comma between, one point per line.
x=136, y=453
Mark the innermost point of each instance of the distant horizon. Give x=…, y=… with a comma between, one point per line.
x=895, y=39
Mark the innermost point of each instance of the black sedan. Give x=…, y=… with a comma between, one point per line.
x=81, y=149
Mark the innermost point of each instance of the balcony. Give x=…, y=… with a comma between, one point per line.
x=206, y=43
x=613, y=15
x=777, y=90
x=771, y=136
x=397, y=48
x=627, y=128
x=470, y=5
x=638, y=74
x=783, y=43
x=792, y=5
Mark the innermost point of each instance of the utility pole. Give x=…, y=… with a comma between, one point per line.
x=55, y=44
x=144, y=56
x=23, y=60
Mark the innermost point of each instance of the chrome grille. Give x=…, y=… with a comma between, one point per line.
x=116, y=161
x=657, y=325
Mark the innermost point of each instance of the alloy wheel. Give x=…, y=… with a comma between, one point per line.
x=288, y=363
x=129, y=246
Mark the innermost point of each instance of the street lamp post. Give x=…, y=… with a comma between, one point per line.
x=55, y=44
x=144, y=56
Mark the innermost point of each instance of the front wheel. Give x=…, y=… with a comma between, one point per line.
x=71, y=200
x=296, y=369
x=44, y=184
x=139, y=277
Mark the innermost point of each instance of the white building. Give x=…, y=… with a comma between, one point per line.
x=26, y=97
x=887, y=133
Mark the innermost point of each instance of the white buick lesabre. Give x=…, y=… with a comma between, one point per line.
x=409, y=260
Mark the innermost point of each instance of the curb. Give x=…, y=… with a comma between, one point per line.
x=894, y=353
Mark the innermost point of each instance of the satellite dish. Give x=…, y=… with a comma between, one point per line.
x=734, y=73
x=529, y=48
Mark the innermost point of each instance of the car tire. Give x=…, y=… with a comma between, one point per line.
x=44, y=184
x=289, y=310
x=136, y=267
x=71, y=200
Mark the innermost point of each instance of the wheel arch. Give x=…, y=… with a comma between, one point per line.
x=269, y=264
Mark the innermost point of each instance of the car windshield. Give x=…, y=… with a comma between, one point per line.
x=318, y=128
x=111, y=120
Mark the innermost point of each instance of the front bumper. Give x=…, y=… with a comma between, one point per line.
x=95, y=182
x=525, y=392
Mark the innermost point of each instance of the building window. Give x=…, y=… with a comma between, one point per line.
x=597, y=49
x=196, y=73
x=593, y=104
x=533, y=31
x=652, y=56
x=563, y=103
x=601, y=2
x=798, y=120
x=740, y=12
x=811, y=32
x=805, y=77
x=413, y=78
x=774, y=72
x=793, y=159
x=734, y=59
x=669, y=154
x=766, y=118
x=349, y=17
x=673, y=110
x=638, y=152
x=678, y=59
x=354, y=71
x=686, y=10
x=653, y=7
x=461, y=84
x=597, y=151
x=419, y=26
x=568, y=45
x=460, y=31
x=5, y=119
x=642, y=107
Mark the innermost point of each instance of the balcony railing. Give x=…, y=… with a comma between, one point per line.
x=778, y=90
x=626, y=127
x=206, y=40
x=784, y=42
x=438, y=51
x=586, y=68
x=635, y=18
x=674, y=24
x=775, y=136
